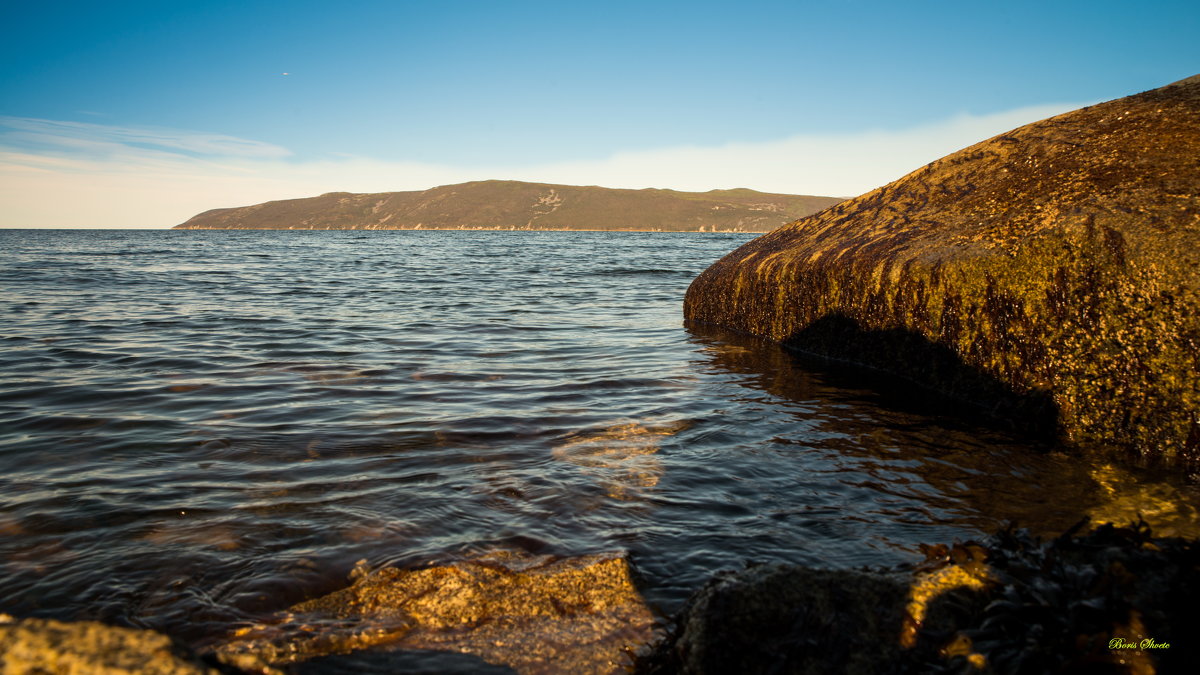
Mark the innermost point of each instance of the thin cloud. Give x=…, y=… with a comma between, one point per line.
x=71, y=174
x=99, y=137
x=842, y=165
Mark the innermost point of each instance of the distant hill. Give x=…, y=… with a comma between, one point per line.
x=507, y=205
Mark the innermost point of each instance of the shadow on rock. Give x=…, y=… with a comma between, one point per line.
x=964, y=389
x=1115, y=600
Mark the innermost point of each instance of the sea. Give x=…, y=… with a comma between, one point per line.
x=200, y=428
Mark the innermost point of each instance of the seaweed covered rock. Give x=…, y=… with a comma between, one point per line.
x=1115, y=600
x=532, y=614
x=1049, y=274
x=38, y=646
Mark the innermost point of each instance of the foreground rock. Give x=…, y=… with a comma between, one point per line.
x=1049, y=274
x=1113, y=601
x=42, y=646
x=534, y=615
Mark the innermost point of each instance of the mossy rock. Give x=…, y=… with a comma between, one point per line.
x=533, y=614
x=1048, y=274
x=42, y=646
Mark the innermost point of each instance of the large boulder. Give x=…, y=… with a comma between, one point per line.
x=1048, y=274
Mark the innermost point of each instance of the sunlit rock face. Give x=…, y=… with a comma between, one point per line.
x=532, y=614
x=37, y=646
x=1049, y=274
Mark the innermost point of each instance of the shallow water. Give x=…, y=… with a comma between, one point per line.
x=203, y=427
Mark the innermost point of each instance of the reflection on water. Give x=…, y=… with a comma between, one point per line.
x=913, y=446
x=201, y=428
x=1124, y=497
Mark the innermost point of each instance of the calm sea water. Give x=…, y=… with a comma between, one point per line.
x=199, y=427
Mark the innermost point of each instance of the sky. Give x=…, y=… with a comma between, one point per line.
x=142, y=114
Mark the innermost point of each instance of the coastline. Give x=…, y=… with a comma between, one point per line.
x=475, y=228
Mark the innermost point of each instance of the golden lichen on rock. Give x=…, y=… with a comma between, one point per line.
x=36, y=646
x=928, y=586
x=1057, y=261
x=534, y=614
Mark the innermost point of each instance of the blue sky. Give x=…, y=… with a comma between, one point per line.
x=142, y=113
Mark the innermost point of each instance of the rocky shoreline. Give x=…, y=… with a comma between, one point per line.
x=1115, y=600
x=1048, y=275
x=1112, y=599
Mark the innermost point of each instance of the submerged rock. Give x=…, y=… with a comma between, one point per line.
x=621, y=457
x=533, y=614
x=1115, y=600
x=1048, y=274
x=42, y=646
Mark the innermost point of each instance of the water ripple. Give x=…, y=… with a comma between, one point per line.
x=200, y=427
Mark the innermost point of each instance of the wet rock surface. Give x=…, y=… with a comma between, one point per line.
x=1048, y=274
x=530, y=614
x=1116, y=600
x=39, y=646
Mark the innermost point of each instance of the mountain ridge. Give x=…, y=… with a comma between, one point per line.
x=518, y=205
